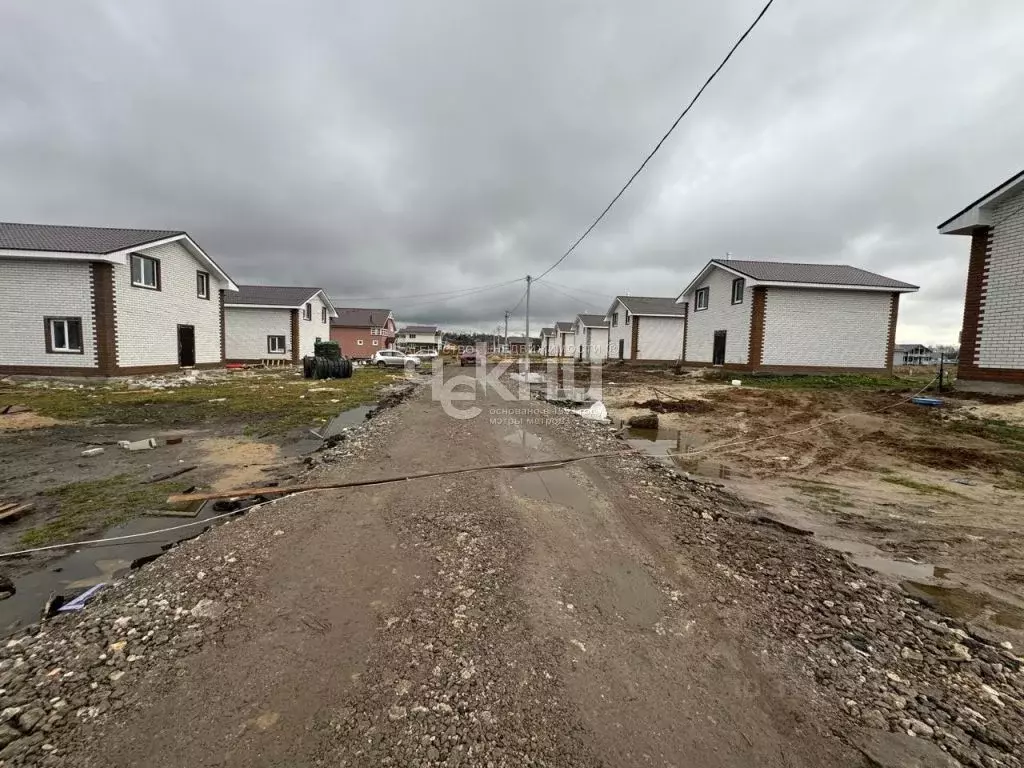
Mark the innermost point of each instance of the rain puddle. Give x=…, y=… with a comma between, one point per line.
x=353, y=417
x=524, y=439
x=942, y=588
x=89, y=566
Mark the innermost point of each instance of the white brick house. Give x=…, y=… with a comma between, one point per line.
x=645, y=328
x=785, y=317
x=564, y=343
x=419, y=338
x=992, y=335
x=591, y=338
x=92, y=301
x=269, y=322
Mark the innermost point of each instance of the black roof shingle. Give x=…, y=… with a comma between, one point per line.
x=98, y=240
x=271, y=295
x=651, y=305
x=821, y=274
x=357, y=317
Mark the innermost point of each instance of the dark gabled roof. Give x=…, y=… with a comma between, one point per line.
x=593, y=321
x=650, y=305
x=419, y=329
x=358, y=317
x=908, y=347
x=565, y=327
x=547, y=331
x=999, y=188
x=820, y=274
x=49, y=237
x=272, y=295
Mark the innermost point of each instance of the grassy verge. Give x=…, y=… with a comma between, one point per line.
x=918, y=486
x=94, y=504
x=267, y=404
x=837, y=381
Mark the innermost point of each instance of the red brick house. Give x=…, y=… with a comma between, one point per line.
x=992, y=336
x=362, y=332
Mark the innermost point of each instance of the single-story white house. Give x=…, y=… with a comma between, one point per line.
x=271, y=322
x=96, y=301
x=565, y=339
x=548, y=341
x=991, y=340
x=782, y=317
x=646, y=328
x=592, y=338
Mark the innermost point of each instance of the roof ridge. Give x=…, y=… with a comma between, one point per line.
x=90, y=226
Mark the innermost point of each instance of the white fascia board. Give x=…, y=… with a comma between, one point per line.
x=228, y=305
x=967, y=221
x=192, y=247
x=705, y=272
x=13, y=253
x=833, y=287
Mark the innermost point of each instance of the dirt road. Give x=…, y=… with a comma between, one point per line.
x=496, y=618
x=607, y=612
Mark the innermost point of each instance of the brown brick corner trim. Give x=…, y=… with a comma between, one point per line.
x=686, y=327
x=758, y=308
x=974, y=300
x=223, y=337
x=104, y=316
x=295, y=336
x=634, y=338
x=890, y=347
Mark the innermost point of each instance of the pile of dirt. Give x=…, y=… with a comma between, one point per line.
x=676, y=406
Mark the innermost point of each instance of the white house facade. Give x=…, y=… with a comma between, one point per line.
x=419, y=338
x=646, y=328
x=90, y=301
x=282, y=323
x=564, y=343
x=591, y=337
x=992, y=335
x=784, y=317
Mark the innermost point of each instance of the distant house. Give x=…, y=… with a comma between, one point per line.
x=646, y=328
x=783, y=317
x=913, y=354
x=361, y=332
x=991, y=339
x=419, y=338
x=565, y=339
x=271, y=322
x=591, y=338
x=548, y=341
x=517, y=344
x=92, y=301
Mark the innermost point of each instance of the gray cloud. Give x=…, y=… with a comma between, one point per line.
x=382, y=150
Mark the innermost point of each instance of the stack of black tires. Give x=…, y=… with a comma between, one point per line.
x=327, y=362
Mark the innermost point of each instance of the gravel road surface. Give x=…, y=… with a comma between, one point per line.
x=607, y=612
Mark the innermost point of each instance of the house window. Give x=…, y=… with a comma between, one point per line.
x=737, y=290
x=412, y=335
x=629, y=317
x=64, y=335
x=307, y=312
x=702, y=299
x=375, y=342
x=359, y=342
x=323, y=314
x=203, y=285
x=145, y=272
x=615, y=320
x=275, y=345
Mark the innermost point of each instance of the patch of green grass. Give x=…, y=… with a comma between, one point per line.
x=990, y=429
x=918, y=486
x=94, y=504
x=267, y=404
x=825, y=493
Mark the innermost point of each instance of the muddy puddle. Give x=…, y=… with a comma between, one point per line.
x=75, y=572
x=675, y=448
x=942, y=588
x=353, y=417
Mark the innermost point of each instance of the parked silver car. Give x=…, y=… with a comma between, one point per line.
x=392, y=357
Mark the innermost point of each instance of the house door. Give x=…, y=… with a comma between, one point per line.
x=718, y=352
x=186, y=345
x=622, y=348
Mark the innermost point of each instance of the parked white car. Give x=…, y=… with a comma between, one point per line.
x=427, y=354
x=393, y=357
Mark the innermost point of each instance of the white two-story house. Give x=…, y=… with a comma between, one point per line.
x=646, y=328
x=92, y=301
x=419, y=338
x=783, y=317
x=273, y=322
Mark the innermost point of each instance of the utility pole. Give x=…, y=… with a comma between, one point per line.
x=506, y=328
x=528, y=340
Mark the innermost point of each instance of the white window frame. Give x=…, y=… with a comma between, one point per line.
x=142, y=261
x=51, y=333
x=702, y=293
x=307, y=311
x=374, y=342
x=741, y=284
x=323, y=314
x=629, y=318
x=272, y=347
x=202, y=284
x=359, y=342
x=615, y=319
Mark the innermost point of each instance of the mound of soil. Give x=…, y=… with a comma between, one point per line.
x=676, y=406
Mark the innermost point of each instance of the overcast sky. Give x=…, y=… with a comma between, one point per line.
x=396, y=148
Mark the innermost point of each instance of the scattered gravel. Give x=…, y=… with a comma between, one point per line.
x=885, y=660
x=81, y=666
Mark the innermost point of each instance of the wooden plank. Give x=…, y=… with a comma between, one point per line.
x=11, y=515
x=6, y=505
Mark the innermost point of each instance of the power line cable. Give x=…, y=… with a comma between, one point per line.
x=586, y=302
x=422, y=295
x=465, y=293
x=657, y=146
x=518, y=303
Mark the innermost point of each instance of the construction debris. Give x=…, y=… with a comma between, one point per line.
x=9, y=512
x=644, y=421
x=138, y=445
x=79, y=602
x=92, y=452
x=9, y=410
